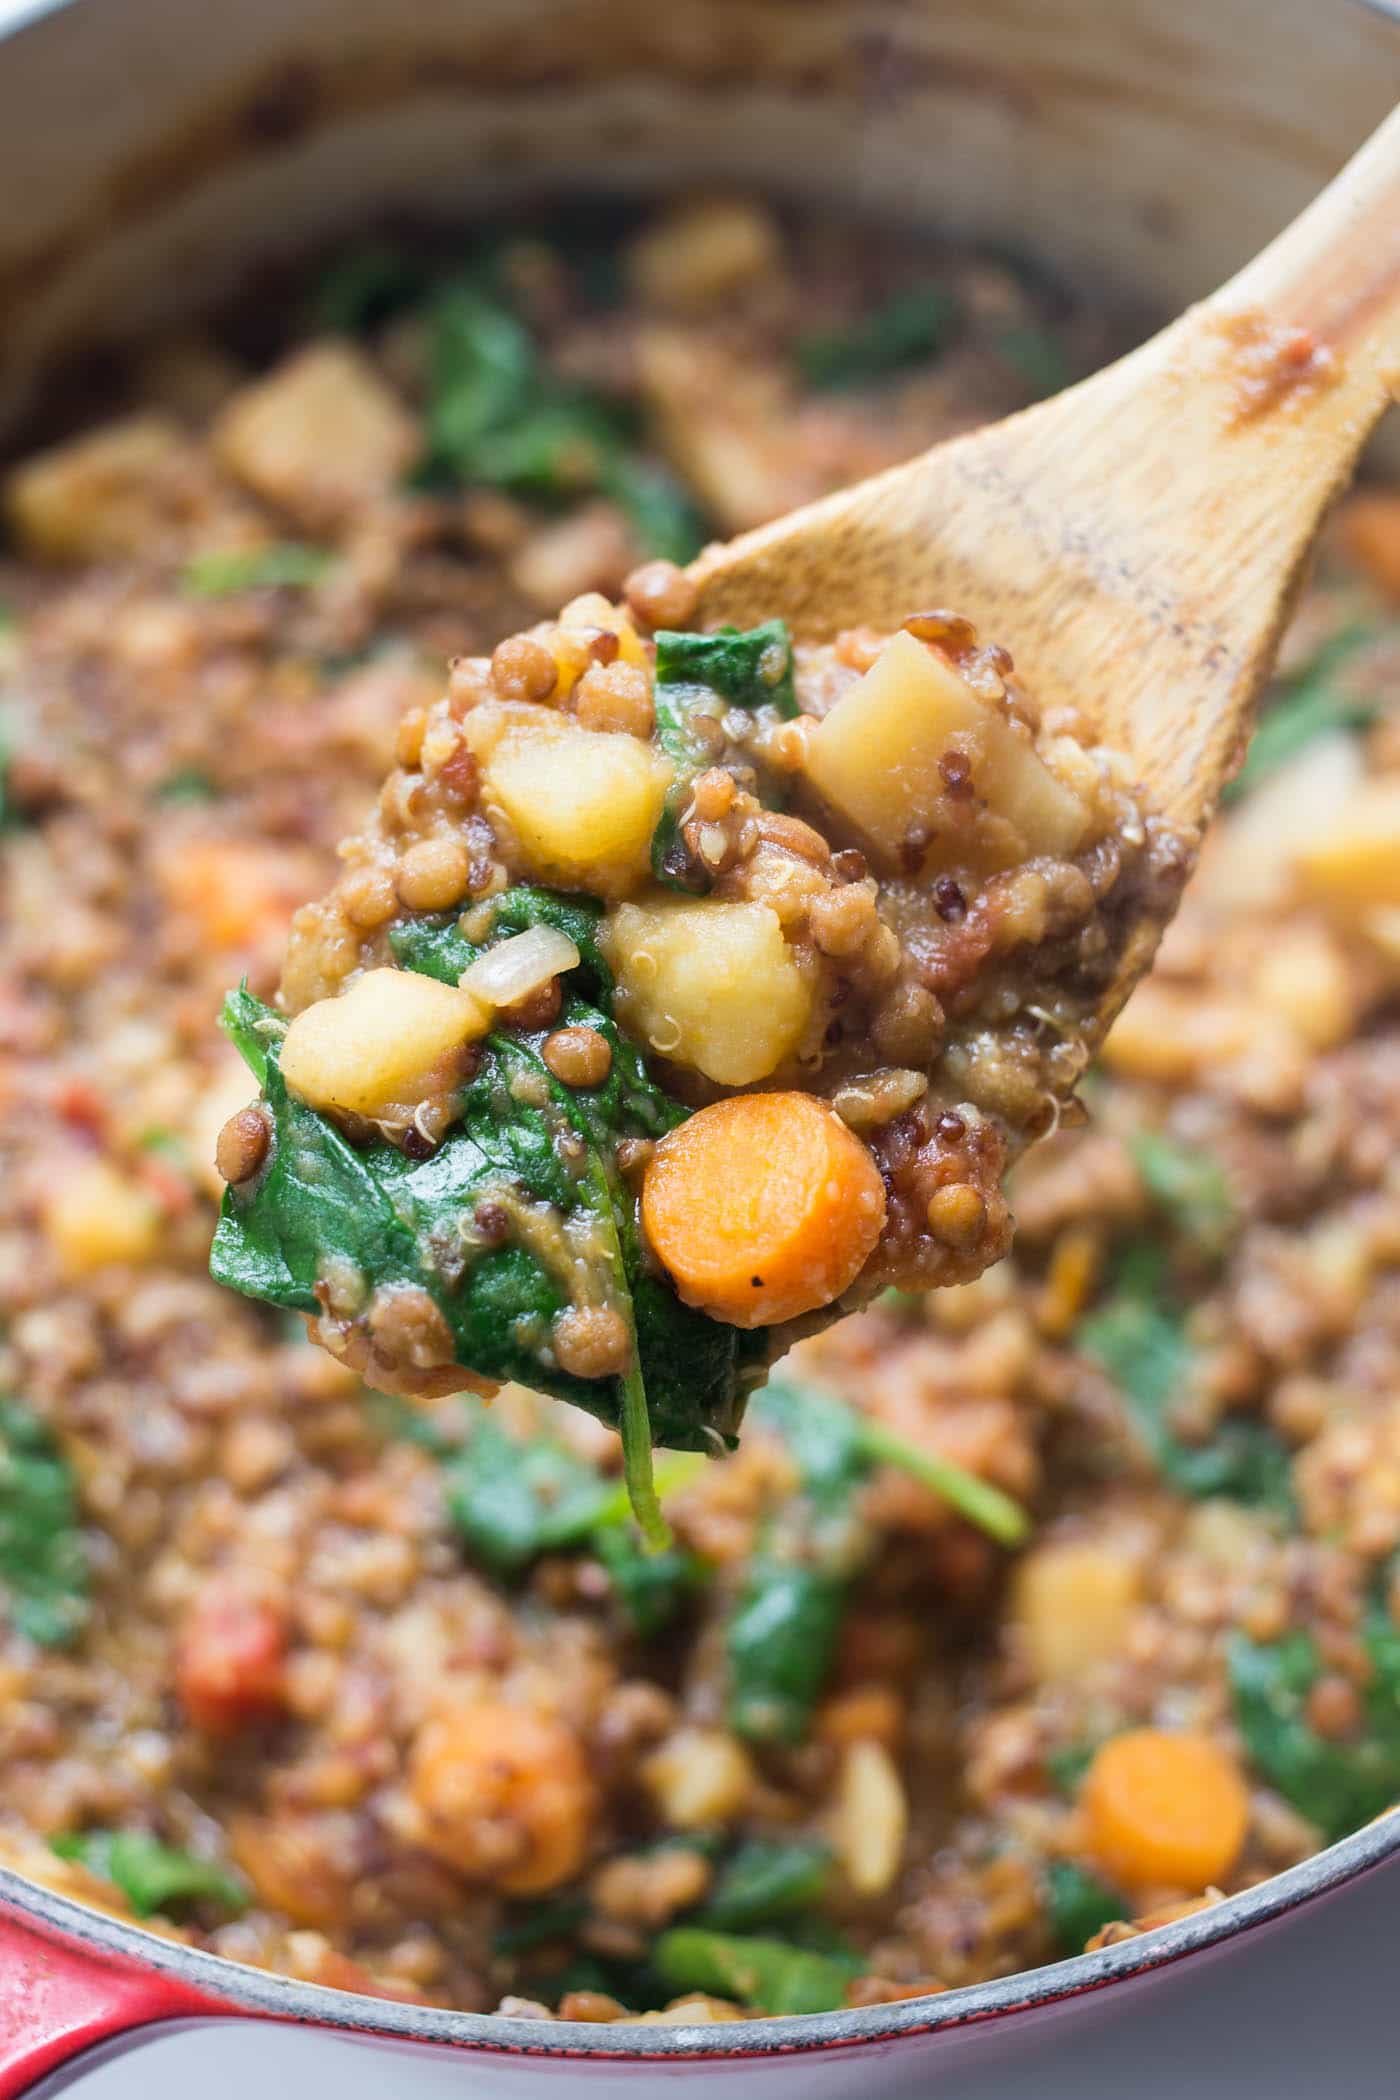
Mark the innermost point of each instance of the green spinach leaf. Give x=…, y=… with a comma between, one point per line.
x=699, y=676
x=1078, y=1904
x=1138, y=1335
x=781, y=1637
x=769, y=1974
x=43, y=1563
x=1336, y=1784
x=767, y=1880
x=151, y=1876
x=322, y=1203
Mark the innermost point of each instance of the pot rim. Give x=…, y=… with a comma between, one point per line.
x=245, y=1989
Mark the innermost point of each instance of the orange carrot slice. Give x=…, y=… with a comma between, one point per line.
x=1165, y=1809
x=763, y=1207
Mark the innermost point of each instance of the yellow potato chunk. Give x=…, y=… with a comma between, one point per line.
x=100, y=498
x=709, y=984
x=1071, y=1601
x=878, y=760
x=320, y=435
x=96, y=1215
x=1357, y=862
x=381, y=1047
x=582, y=803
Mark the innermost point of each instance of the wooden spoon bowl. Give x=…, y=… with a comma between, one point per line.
x=1139, y=541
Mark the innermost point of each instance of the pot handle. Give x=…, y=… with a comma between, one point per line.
x=57, y=1998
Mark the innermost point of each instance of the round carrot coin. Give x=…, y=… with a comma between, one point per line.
x=763, y=1207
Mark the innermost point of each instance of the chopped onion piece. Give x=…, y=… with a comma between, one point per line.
x=505, y=975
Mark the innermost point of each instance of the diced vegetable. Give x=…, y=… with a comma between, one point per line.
x=582, y=803
x=1078, y=1904
x=876, y=759
x=94, y=1214
x=767, y=1974
x=1071, y=1601
x=700, y=1777
x=238, y=891
x=763, y=1207
x=99, y=497
x=1337, y=1785
x=152, y=1876
x=711, y=985
x=870, y=1818
x=382, y=1046
x=507, y=973
x=1358, y=863
x=321, y=434
x=702, y=253
x=504, y=1795
x=43, y=1563
x=1165, y=1809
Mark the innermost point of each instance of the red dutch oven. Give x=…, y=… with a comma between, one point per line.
x=149, y=153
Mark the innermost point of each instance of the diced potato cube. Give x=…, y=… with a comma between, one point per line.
x=1071, y=1601
x=100, y=498
x=1358, y=862
x=709, y=984
x=702, y=253
x=699, y=1777
x=319, y=436
x=582, y=803
x=1305, y=977
x=877, y=760
x=383, y=1046
x=96, y=1215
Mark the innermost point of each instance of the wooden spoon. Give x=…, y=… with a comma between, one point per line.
x=1138, y=542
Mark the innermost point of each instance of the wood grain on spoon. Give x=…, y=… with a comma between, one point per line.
x=1138, y=541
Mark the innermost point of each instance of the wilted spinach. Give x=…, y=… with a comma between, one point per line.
x=1138, y=1335
x=497, y=415
x=520, y=1132
x=769, y=1974
x=1336, y=1784
x=768, y=1880
x=782, y=1634
x=694, y=672
x=1078, y=1904
x=151, y=1876
x=43, y=1564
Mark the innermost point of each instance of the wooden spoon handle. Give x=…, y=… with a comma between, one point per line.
x=1336, y=269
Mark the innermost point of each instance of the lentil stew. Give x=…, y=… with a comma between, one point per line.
x=385, y=1692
